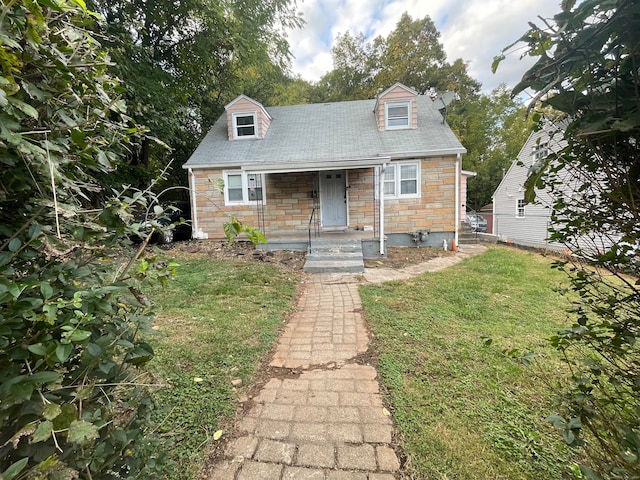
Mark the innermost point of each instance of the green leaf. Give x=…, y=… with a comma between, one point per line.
x=82, y=432
x=94, y=349
x=14, y=244
x=37, y=349
x=51, y=411
x=79, y=335
x=63, y=351
x=218, y=435
x=43, y=432
x=46, y=290
x=25, y=107
x=43, y=377
x=589, y=474
x=14, y=469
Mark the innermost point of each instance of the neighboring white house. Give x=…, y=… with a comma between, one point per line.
x=514, y=221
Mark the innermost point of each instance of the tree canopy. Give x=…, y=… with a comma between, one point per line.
x=182, y=61
x=491, y=126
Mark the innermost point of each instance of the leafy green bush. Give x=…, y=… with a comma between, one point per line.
x=73, y=398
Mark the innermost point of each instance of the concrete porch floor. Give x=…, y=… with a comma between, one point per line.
x=299, y=239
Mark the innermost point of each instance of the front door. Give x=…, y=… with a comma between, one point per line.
x=333, y=191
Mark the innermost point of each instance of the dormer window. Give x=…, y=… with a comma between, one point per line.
x=245, y=125
x=397, y=115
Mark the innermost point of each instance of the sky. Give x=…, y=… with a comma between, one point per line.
x=474, y=30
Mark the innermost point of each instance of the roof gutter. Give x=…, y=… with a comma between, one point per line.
x=429, y=153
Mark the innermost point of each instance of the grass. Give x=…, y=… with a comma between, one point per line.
x=464, y=409
x=216, y=322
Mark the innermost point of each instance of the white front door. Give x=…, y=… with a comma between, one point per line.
x=333, y=199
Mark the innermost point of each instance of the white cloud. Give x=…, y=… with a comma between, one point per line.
x=474, y=30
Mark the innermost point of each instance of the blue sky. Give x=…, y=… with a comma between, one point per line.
x=474, y=30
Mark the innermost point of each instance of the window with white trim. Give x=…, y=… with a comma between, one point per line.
x=397, y=115
x=402, y=180
x=520, y=208
x=242, y=188
x=540, y=151
x=245, y=125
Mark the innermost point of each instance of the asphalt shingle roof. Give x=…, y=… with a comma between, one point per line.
x=325, y=133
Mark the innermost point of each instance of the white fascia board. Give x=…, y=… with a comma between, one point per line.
x=429, y=153
x=316, y=166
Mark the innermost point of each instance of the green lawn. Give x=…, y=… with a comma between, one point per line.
x=464, y=409
x=216, y=322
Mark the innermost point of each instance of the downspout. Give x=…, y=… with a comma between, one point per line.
x=194, y=210
x=383, y=251
x=457, y=195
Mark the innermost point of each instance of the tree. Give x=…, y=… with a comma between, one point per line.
x=413, y=55
x=72, y=398
x=493, y=128
x=353, y=70
x=587, y=71
x=200, y=54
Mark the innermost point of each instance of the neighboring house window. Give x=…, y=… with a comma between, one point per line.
x=520, y=208
x=241, y=188
x=397, y=115
x=245, y=125
x=402, y=180
x=540, y=151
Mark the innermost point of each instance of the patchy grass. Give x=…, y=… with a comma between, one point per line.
x=464, y=409
x=216, y=322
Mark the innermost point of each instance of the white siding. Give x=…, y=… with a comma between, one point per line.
x=532, y=229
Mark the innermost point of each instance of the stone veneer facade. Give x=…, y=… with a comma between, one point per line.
x=289, y=201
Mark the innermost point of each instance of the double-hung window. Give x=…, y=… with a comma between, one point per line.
x=540, y=151
x=245, y=125
x=241, y=188
x=397, y=115
x=520, y=208
x=402, y=180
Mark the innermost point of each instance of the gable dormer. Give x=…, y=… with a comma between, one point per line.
x=246, y=119
x=396, y=108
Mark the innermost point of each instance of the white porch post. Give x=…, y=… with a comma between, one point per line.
x=194, y=210
x=383, y=250
x=457, y=188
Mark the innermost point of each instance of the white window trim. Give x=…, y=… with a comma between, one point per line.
x=394, y=104
x=235, y=115
x=518, y=200
x=397, y=179
x=245, y=188
x=540, y=151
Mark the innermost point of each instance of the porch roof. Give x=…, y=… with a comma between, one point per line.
x=326, y=136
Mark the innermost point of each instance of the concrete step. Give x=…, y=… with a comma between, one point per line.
x=335, y=256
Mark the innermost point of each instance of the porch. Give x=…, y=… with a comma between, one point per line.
x=301, y=240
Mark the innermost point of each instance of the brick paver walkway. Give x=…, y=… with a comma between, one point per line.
x=326, y=422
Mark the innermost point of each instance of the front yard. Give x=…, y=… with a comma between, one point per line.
x=465, y=409
x=216, y=322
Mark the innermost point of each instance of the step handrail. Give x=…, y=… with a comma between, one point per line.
x=313, y=212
